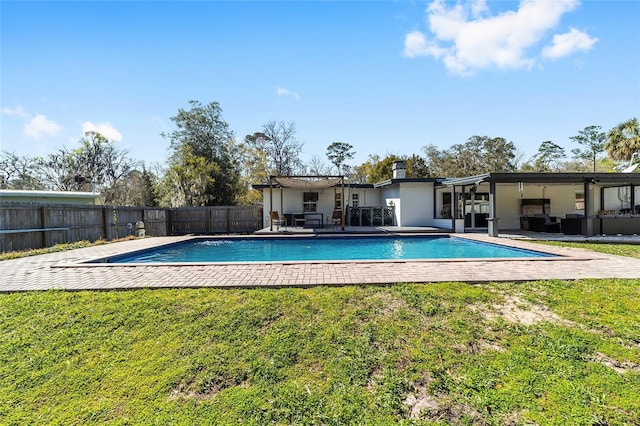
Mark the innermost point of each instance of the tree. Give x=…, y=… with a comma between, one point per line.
x=316, y=167
x=548, y=157
x=57, y=171
x=363, y=173
x=480, y=154
x=18, y=172
x=383, y=169
x=97, y=165
x=187, y=180
x=592, y=139
x=254, y=170
x=278, y=141
x=203, y=143
x=338, y=153
x=417, y=167
x=623, y=140
x=137, y=188
x=377, y=170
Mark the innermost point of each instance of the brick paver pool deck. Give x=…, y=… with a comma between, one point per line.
x=65, y=270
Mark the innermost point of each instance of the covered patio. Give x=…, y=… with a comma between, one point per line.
x=306, y=211
x=572, y=203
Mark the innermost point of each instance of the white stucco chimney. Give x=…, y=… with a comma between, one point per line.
x=399, y=171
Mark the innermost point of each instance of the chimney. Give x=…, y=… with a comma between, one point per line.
x=399, y=171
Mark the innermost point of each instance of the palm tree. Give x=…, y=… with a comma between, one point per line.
x=624, y=140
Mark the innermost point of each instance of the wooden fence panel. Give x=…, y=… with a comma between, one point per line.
x=243, y=220
x=19, y=218
x=155, y=222
x=125, y=219
x=31, y=226
x=189, y=220
x=80, y=223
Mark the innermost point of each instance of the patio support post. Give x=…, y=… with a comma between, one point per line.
x=493, y=220
x=343, y=206
x=281, y=213
x=463, y=198
x=587, y=225
x=270, y=202
x=454, y=208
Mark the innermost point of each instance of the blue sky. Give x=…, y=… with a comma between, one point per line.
x=386, y=77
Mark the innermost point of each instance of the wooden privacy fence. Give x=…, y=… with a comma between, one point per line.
x=30, y=226
x=214, y=220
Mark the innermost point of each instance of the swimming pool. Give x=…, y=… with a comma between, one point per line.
x=233, y=250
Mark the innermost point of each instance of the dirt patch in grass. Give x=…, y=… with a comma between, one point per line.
x=421, y=405
x=477, y=346
x=208, y=389
x=617, y=366
x=518, y=311
x=389, y=304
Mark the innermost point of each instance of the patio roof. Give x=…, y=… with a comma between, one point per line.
x=548, y=178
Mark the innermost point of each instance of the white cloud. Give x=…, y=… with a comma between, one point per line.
x=17, y=111
x=40, y=126
x=568, y=43
x=466, y=37
x=105, y=129
x=416, y=44
x=281, y=91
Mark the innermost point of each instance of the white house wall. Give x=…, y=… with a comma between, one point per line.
x=563, y=201
x=366, y=196
x=417, y=204
x=620, y=198
x=414, y=202
x=508, y=201
x=292, y=201
x=391, y=197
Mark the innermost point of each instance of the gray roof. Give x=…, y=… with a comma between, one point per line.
x=560, y=178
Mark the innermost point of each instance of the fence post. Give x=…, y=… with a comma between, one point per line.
x=228, y=210
x=44, y=222
x=107, y=217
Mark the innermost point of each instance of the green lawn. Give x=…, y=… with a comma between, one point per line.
x=629, y=250
x=544, y=352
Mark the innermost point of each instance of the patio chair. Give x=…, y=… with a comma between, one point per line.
x=544, y=223
x=277, y=220
x=336, y=218
x=299, y=220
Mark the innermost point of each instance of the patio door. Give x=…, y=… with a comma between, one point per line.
x=476, y=210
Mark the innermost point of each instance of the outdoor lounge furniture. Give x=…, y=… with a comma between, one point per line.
x=306, y=219
x=617, y=224
x=299, y=219
x=543, y=223
x=572, y=224
x=277, y=220
x=336, y=218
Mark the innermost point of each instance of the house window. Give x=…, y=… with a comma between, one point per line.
x=445, y=211
x=579, y=201
x=338, y=201
x=355, y=199
x=310, y=202
x=534, y=206
x=480, y=202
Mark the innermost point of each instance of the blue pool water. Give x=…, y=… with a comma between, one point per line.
x=305, y=249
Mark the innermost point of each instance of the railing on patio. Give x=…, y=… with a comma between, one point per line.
x=370, y=216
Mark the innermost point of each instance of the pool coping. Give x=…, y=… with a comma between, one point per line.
x=65, y=271
x=553, y=255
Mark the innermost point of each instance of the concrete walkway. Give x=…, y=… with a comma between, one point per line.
x=65, y=271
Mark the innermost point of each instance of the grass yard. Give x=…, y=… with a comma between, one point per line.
x=544, y=352
x=629, y=250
